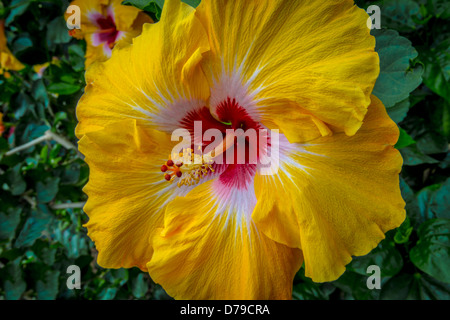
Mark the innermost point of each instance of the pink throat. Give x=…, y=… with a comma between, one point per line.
x=107, y=32
x=230, y=116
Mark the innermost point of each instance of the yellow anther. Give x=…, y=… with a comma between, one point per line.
x=188, y=166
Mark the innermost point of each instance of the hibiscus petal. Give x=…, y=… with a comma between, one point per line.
x=126, y=191
x=124, y=16
x=200, y=255
x=335, y=196
x=144, y=81
x=317, y=54
x=7, y=60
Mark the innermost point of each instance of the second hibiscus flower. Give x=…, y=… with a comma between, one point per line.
x=105, y=24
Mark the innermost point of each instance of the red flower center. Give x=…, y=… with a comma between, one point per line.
x=108, y=32
x=239, y=135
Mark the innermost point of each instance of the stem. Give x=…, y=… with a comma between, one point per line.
x=28, y=145
x=30, y=201
x=73, y=205
x=62, y=141
x=48, y=135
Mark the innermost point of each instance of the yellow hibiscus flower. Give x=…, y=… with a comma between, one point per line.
x=107, y=23
x=7, y=59
x=215, y=229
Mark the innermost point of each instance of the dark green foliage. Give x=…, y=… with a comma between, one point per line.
x=41, y=230
x=38, y=239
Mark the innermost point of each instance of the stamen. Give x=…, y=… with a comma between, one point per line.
x=188, y=166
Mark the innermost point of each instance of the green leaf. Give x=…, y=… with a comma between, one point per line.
x=356, y=286
x=9, y=222
x=76, y=57
x=57, y=32
x=414, y=287
x=160, y=294
x=305, y=289
x=117, y=276
x=434, y=201
x=21, y=44
x=403, y=232
x=23, y=103
x=423, y=199
x=152, y=6
x=14, y=284
x=399, y=14
x=18, y=8
x=432, y=143
x=404, y=140
x=63, y=88
x=432, y=252
x=75, y=244
x=439, y=8
x=446, y=120
x=386, y=256
x=40, y=92
x=399, y=111
x=33, y=131
x=108, y=293
x=17, y=184
x=412, y=206
x=412, y=156
x=139, y=286
x=437, y=68
x=440, y=201
x=192, y=3
x=71, y=174
x=47, y=288
x=47, y=189
x=397, y=77
x=141, y=4
x=45, y=253
x=32, y=229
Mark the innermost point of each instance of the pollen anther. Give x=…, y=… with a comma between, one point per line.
x=188, y=166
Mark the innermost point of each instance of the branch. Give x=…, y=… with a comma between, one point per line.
x=30, y=201
x=48, y=135
x=28, y=145
x=73, y=205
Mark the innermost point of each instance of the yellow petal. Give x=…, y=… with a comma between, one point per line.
x=126, y=191
x=317, y=54
x=143, y=81
x=124, y=15
x=7, y=60
x=201, y=255
x=335, y=196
